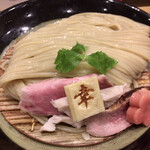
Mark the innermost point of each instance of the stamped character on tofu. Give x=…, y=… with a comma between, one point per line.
x=84, y=98
x=84, y=95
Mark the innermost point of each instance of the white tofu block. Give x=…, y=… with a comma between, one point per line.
x=84, y=98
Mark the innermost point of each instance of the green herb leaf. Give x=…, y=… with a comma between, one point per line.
x=79, y=48
x=67, y=60
x=101, y=61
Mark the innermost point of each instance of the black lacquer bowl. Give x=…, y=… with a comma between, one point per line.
x=21, y=18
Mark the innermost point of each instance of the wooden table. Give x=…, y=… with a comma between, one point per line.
x=142, y=4
x=143, y=143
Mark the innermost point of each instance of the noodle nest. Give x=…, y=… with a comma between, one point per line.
x=120, y=38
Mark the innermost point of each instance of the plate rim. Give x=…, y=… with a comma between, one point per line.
x=24, y=4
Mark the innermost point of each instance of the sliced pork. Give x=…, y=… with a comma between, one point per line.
x=36, y=98
x=111, y=121
x=107, y=123
x=112, y=94
x=104, y=124
x=62, y=105
x=50, y=125
x=109, y=95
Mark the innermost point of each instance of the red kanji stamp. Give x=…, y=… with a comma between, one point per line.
x=84, y=95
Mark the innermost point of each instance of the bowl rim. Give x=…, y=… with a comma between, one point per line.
x=24, y=4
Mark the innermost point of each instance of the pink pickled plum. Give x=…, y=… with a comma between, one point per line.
x=139, y=109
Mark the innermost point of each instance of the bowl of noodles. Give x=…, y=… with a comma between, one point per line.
x=31, y=35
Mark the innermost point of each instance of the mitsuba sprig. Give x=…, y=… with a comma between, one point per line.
x=67, y=60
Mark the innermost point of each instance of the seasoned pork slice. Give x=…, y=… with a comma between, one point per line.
x=117, y=117
x=109, y=95
x=36, y=98
x=113, y=121
x=107, y=123
x=62, y=105
x=50, y=125
x=112, y=94
x=103, y=124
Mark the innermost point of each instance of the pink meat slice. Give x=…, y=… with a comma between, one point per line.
x=107, y=123
x=109, y=95
x=36, y=98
